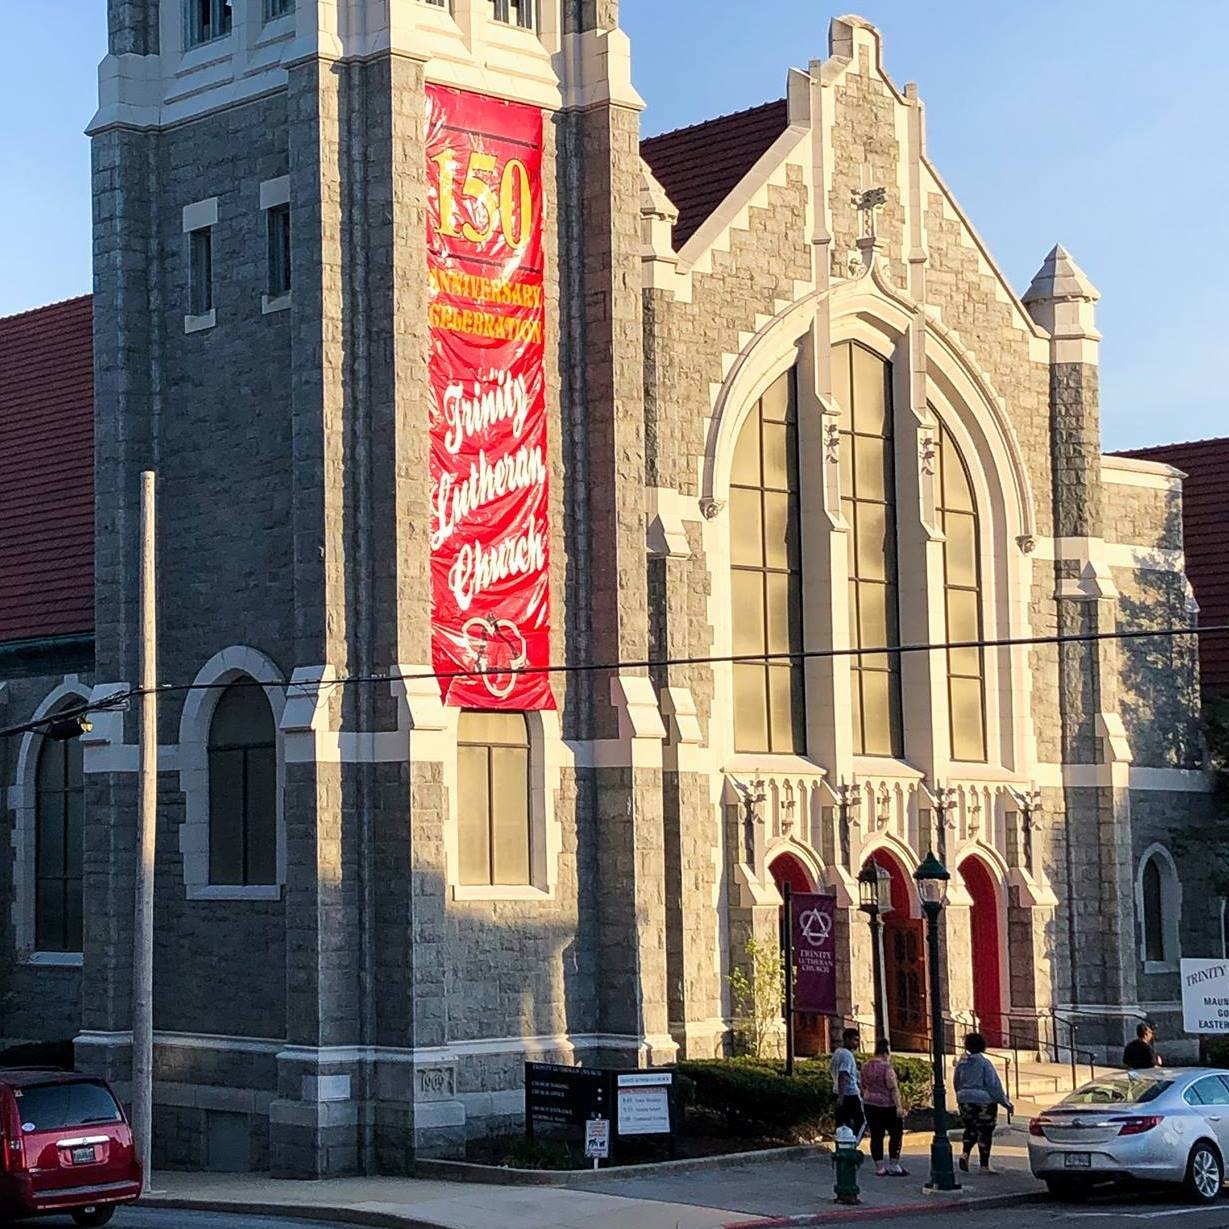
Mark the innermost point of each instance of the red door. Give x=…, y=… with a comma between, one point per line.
x=904, y=964
x=987, y=945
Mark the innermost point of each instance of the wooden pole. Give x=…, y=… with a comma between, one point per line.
x=147, y=821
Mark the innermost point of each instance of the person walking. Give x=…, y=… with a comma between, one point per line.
x=979, y=1093
x=1139, y=1054
x=885, y=1114
x=845, y=1086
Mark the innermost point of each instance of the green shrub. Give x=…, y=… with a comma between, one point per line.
x=756, y=1094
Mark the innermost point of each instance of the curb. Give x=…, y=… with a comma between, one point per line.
x=496, y=1175
x=984, y=1203
x=281, y=1211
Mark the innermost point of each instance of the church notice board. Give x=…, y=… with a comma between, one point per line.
x=1205, y=997
x=638, y=1103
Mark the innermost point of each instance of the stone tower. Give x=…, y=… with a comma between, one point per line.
x=260, y=188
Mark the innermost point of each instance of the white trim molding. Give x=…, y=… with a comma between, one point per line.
x=236, y=662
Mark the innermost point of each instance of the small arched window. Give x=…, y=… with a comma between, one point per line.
x=1159, y=905
x=958, y=519
x=59, y=838
x=862, y=385
x=493, y=813
x=766, y=576
x=1154, y=912
x=242, y=788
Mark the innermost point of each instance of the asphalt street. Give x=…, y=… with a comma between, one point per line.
x=1128, y=1210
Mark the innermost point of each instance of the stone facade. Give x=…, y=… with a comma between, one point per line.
x=370, y=1009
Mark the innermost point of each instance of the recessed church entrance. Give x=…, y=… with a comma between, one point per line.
x=987, y=942
x=810, y=1031
x=904, y=963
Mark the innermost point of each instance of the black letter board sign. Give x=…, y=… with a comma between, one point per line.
x=564, y=1096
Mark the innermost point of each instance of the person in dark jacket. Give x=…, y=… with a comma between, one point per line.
x=979, y=1093
x=1139, y=1054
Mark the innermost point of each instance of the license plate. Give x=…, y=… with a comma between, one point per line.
x=83, y=1156
x=1078, y=1160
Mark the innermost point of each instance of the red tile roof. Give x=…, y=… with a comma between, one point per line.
x=47, y=472
x=701, y=165
x=1205, y=519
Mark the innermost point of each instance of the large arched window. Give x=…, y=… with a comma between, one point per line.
x=766, y=576
x=59, y=834
x=966, y=689
x=862, y=384
x=493, y=813
x=242, y=788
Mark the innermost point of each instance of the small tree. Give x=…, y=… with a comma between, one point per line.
x=758, y=989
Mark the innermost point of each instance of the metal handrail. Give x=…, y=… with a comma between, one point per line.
x=1078, y=1055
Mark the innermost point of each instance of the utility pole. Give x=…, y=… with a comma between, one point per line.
x=147, y=833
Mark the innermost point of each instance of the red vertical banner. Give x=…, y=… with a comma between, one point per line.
x=814, y=931
x=490, y=524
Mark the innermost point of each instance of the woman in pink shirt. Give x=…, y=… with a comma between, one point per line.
x=884, y=1112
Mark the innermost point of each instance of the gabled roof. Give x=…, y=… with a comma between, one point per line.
x=47, y=472
x=1205, y=518
x=701, y=165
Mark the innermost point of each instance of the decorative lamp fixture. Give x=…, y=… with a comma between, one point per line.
x=932, y=880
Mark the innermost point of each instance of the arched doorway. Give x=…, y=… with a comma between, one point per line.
x=810, y=1031
x=987, y=941
x=904, y=962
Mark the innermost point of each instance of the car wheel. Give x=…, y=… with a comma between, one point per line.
x=97, y=1214
x=1067, y=1188
x=1205, y=1174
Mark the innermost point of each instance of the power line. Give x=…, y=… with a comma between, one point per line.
x=120, y=699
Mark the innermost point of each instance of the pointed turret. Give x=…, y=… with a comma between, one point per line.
x=1061, y=299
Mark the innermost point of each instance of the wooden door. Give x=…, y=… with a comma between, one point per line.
x=904, y=957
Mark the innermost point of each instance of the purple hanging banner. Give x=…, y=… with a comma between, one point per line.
x=814, y=928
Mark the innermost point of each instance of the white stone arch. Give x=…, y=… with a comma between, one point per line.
x=22, y=802
x=773, y=350
x=889, y=843
x=236, y=662
x=1171, y=910
x=810, y=861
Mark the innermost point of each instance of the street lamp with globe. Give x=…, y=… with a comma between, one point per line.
x=932, y=879
x=875, y=899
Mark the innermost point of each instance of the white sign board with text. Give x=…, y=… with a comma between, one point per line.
x=597, y=1138
x=1205, y=996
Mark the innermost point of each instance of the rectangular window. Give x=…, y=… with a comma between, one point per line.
x=278, y=8
x=207, y=20
x=438, y=4
x=493, y=800
x=279, y=250
x=59, y=833
x=514, y=12
x=200, y=273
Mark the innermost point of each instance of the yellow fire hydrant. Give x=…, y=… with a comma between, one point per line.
x=846, y=1157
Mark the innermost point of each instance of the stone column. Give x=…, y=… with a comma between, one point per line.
x=1093, y=862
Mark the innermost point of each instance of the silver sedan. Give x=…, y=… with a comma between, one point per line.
x=1166, y=1125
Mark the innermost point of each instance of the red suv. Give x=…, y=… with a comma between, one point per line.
x=65, y=1146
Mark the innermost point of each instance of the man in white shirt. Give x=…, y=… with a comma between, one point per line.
x=845, y=1086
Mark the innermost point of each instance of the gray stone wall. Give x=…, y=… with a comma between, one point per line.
x=1141, y=516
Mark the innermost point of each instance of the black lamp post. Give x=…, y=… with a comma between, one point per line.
x=875, y=896
x=932, y=877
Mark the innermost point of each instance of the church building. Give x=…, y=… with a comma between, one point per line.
x=536, y=503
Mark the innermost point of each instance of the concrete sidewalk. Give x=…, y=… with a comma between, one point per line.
x=761, y=1193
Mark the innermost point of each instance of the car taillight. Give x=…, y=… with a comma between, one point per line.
x=1137, y=1126
x=12, y=1155
x=1035, y=1127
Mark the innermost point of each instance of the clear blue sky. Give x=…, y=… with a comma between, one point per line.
x=1097, y=125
